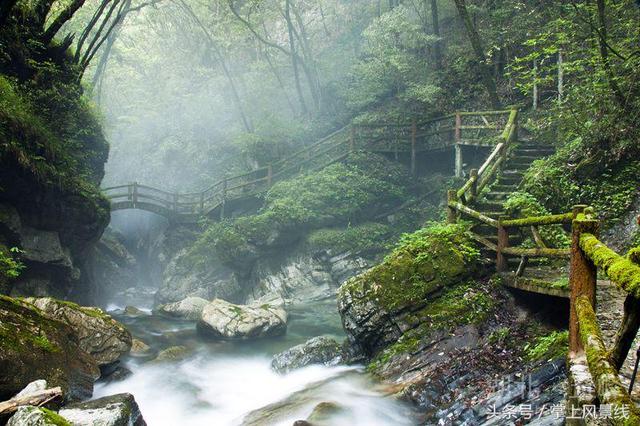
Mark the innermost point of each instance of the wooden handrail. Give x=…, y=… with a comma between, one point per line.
x=326, y=148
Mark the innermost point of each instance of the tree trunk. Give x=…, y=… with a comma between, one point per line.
x=437, y=47
x=604, y=55
x=478, y=49
x=294, y=59
x=234, y=91
x=627, y=332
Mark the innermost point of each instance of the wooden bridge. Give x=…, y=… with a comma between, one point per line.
x=594, y=369
x=454, y=130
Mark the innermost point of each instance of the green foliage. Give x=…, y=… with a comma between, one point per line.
x=363, y=238
x=548, y=347
x=423, y=262
x=9, y=266
x=523, y=204
x=559, y=184
x=340, y=194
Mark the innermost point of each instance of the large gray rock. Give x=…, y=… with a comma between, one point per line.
x=44, y=247
x=101, y=336
x=319, y=350
x=35, y=347
x=189, y=308
x=114, y=410
x=208, y=281
x=224, y=320
x=34, y=416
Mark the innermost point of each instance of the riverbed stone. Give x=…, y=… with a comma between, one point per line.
x=223, y=320
x=101, y=336
x=319, y=350
x=189, y=308
x=35, y=346
x=173, y=353
x=114, y=410
x=139, y=348
x=35, y=416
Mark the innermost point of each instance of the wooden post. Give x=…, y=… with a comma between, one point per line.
x=452, y=215
x=503, y=242
x=202, y=202
x=414, y=130
x=458, y=128
x=473, y=174
x=224, y=198
x=582, y=277
x=269, y=175
x=130, y=192
x=135, y=193
x=458, y=160
x=535, y=84
x=560, y=76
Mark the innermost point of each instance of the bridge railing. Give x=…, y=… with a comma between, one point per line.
x=586, y=344
x=437, y=133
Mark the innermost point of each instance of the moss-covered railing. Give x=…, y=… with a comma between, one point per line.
x=588, y=255
x=413, y=137
x=458, y=204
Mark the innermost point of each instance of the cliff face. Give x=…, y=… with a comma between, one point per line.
x=52, y=153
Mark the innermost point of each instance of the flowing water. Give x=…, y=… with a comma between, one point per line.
x=231, y=383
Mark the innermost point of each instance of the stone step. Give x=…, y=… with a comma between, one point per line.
x=499, y=187
x=498, y=195
x=489, y=205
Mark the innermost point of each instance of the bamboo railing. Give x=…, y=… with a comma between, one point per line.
x=586, y=345
x=395, y=138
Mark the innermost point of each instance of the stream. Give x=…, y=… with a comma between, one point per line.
x=225, y=383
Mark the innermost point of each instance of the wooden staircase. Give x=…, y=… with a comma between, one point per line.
x=538, y=276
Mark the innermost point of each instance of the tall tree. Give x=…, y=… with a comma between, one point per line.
x=476, y=43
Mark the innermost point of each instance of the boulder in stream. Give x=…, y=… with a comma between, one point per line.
x=189, y=308
x=114, y=410
x=36, y=416
x=104, y=338
x=319, y=350
x=224, y=320
x=35, y=347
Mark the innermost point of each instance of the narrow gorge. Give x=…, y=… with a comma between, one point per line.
x=319, y=213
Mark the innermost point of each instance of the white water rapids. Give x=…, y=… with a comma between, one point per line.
x=224, y=383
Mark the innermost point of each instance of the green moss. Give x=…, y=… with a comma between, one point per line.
x=550, y=346
x=364, y=238
x=462, y=304
x=17, y=337
x=54, y=418
x=605, y=377
x=622, y=271
x=422, y=263
x=524, y=205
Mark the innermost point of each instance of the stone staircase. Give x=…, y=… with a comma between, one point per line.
x=537, y=274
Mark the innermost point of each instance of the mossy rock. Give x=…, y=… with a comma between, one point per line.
x=33, y=346
x=374, y=304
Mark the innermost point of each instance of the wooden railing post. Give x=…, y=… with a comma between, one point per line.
x=130, y=192
x=202, y=202
x=224, y=198
x=414, y=130
x=582, y=274
x=452, y=215
x=473, y=174
x=503, y=242
x=458, y=128
x=458, y=160
x=135, y=193
x=269, y=175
